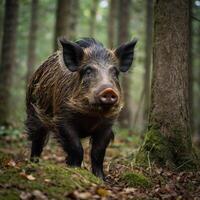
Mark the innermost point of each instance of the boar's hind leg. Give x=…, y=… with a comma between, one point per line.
x=38, y=135
x=100, y=142
x=71, y=144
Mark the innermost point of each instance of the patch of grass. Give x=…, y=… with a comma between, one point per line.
x=6, y=194
x=52, y=179
x=135, y=180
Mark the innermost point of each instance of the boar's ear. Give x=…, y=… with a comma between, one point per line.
x=72, y=54
x=125, y=54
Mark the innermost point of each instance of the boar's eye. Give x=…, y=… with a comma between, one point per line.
x=115, y=72
x=87, y=71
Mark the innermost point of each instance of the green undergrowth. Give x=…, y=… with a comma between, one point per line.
x=52, y=179
x=8, y=131
x=128, y=136
x=135, y=180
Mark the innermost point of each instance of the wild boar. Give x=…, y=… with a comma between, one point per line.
x=76, y=93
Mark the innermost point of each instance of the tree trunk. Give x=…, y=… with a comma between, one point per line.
x=198, y=123
x=196, y=138
x=74, y=19
x=112, y=23
x=168, y=141
x=147, y=63
x=8, y=57
x=62, y=21
x=93, y=14
x=190, y=69
x=123, y=36
x=1, y=24
x=32, y=38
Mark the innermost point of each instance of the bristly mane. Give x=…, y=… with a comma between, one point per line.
x=88, y=42
x=97, y=50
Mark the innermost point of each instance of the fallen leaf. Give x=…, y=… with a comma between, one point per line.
x=47, y=180
x=39, y=195
x=11, y=163
x=79, y=195
x=28, y=176
x=102, y=192
x=128, y=190
x=25, y=196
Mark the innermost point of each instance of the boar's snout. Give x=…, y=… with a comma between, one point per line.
x=107, y=97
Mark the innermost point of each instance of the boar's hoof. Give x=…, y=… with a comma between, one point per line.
x=99, y=174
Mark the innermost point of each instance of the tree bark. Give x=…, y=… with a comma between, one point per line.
x=196, y=138
x=147, y=63
x=1, y=24
x=93, y=14
x=198, y=123
x=8, y=57
x=123, y=36
x=168, y=141
x=190, y=69
x=32, y=38
x=112, y=23
x=75, y=9
x=62, y=21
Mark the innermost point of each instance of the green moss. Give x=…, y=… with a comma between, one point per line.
x=52, y=179
x=154, y=149
x=6, y=194
x=135, y=180
x=166, y=152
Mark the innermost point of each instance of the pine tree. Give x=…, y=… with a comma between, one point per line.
x=32, y=38
x=8, y=58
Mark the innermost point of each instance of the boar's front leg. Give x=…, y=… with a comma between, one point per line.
x=71, y=144
x=100, y=142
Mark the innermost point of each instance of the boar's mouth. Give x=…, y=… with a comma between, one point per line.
x=98, y=107
x=94, y=109
x=105, y=109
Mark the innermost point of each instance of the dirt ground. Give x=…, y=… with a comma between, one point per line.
x=52, y=179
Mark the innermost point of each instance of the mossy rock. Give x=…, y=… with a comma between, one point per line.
x=54, y=180
x=135, y=180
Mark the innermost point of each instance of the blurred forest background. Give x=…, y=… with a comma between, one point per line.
x=162, y=98
x=35, y=26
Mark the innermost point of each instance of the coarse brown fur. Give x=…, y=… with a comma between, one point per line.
x=53, y=88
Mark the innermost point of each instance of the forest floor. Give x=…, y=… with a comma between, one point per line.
x=52, y=179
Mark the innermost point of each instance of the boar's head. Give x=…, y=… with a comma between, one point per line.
x=97, y=86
